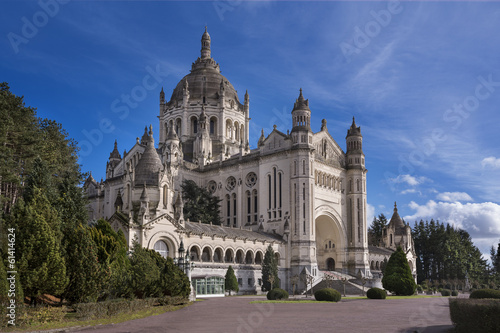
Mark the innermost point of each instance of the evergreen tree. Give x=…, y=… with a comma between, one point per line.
x=270, y=270
x=199, y=204
x=144, y=273
x=375, y=230
x=231, y=283
x=4, y=285
x=397, y=277
x=86, y=274
x=41, y=264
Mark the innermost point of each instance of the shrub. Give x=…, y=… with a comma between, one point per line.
x=376, y=293
x=445, y=292
x=454, y=293
x=86, y=311
x=475, y=315
x=169, y=300
x=397, y=276
x=485, y=293
x=419, y=288
x=327, y=294
x=277, y=294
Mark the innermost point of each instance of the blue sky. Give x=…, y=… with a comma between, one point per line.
x=421, y=78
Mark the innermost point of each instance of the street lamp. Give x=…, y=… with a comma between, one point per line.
x=186, y=265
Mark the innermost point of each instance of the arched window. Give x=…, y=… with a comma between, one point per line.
x=229, y=256
x=255, y=206
x=206, y=255
x=194, y=253
x=235, y=219
x=178, y=127
x=162, y=248
x=228, y=210
x=194, y=125
x=249, y=207
x=213, y=126
x=165, y=195
x=303, y=167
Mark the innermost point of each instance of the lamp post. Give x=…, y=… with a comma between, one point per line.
x=186, y=265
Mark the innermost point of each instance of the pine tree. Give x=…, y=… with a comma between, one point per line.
x=270, y=270
x=231, y=283
x=397, y=277
x=375, y=230
x=86, y=274
x=41, y=264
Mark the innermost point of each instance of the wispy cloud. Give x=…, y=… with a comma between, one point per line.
x=409, y=179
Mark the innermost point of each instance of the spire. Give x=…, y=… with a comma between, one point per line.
x=205, y=45
x=162, y=96
x=354, y=130
x=115, y=154
x=395, y=207
x=261, y=139
x=150, y=130
x=301, y=103
x=145, y=137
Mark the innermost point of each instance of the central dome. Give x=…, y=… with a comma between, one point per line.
x=205, y=82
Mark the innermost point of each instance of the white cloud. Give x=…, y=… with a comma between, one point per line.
x=411, y=190
x=454, y=196
x=409, y=179
x=370, y=214
x=491, y=162
x=481, y=220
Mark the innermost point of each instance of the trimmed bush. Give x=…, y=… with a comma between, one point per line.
x=485, y=293
x=454, y=293
x=445, y=292
x=475, y=315
x=86, y=311
x=277, y=294
x=327, y=294
x=376, y=293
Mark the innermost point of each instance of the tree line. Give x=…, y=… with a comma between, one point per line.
x=445, y=253
x=57, y=251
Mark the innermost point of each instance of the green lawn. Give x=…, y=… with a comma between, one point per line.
x=343, y=298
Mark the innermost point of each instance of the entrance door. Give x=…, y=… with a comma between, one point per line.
x=330, y=264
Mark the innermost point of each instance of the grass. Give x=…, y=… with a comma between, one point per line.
x=343, y=298
x=69, y=320
x=290, y=301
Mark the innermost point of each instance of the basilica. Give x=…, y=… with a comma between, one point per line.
x=299, y=192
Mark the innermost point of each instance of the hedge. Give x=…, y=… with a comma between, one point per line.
x=277, y=294
x=454, y=293
x=445, y=292
x=86, y=311
x=475, y=315
x=327, y=294
x=485, y=293
x=376, y=293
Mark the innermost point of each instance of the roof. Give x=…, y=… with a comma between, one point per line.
x=205, y=79
x=220, y=231
x=396, y=222
x=379, y=250
x=149, y=165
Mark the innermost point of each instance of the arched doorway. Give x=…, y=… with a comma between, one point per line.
x=330, y=242
x=330, y=264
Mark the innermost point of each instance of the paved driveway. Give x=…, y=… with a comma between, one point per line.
x=237, y=315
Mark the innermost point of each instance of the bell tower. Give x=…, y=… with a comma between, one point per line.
x=356, y=203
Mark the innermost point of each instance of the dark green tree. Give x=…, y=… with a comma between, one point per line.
x=231, y=283
x=41, y=264
x=4, y=285
x=199, y=204
x=495, y=258
x=144, y=273
x=270, y=271
x=87, y=276
x=397, y=277
x=375, y=230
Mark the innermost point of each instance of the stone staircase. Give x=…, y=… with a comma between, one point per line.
x=351, y=288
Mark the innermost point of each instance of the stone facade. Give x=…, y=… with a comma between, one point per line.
x=297, y=191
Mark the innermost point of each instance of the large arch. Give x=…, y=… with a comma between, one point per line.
x=169, y=239
x=330, y=240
